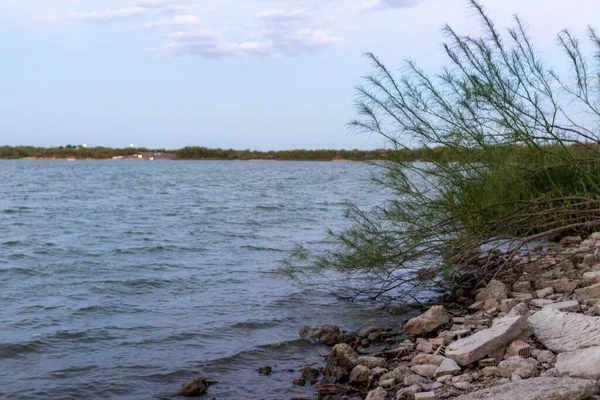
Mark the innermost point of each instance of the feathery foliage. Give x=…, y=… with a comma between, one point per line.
x=525, y=147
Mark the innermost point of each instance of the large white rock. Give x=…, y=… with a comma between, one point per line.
x=584, y=363
x=429, y=321
x=475, y=347
x=537, y=389
x=562, y=331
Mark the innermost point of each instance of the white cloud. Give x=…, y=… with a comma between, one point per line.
x=384, y=4
x=110, y=14
x=239, y=28
x=162, y=3
x=166, y=6
x=205, y=44
x=209, y=44
x=277, y=16
x=175, y=21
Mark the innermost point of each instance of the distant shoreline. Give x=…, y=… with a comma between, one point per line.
x=82, y=152
x=164, y=159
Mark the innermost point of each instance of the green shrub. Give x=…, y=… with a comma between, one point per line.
x=508, y=160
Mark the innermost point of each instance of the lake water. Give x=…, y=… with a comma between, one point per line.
x=121, y=280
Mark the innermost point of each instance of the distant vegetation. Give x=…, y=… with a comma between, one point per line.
x=442, y=154
x=204, y=153
x=199, y=153
x=68, y=151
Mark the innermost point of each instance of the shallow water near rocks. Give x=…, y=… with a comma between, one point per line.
x=122, y=279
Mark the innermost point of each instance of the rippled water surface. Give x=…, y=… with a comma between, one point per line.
x=120, y=280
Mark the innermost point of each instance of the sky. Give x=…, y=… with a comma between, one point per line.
x=257, y=74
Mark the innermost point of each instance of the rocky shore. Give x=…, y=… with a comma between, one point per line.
x=533, y=333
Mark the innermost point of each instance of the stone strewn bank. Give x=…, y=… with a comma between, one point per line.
x=532, y=334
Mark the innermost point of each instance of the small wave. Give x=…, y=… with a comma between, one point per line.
x=138, y=233
x=257, y=324
x=123, y=251
x=68, y=335
x=19, y=271
x=249, y=357
x=108, y=310
x=11, y=243
x=89, y=309
x=43, y=252
x=156, y=249
x=168, y=376
x=18, y=256
x=187, y=336
x=159, y=249
x=75, y=389
x=260, y=248
x=139, y=283
x=16, y=210
x=269, y=208
x=8, y=350
x=68, y=372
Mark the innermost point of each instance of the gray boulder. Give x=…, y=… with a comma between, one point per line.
x=429, y=321
x=365, y=331
x=371, y=362
x=360, y=375
x=570, y=240
x=495, y=290
x=563, y=285
x=428, y=359
x=194, y=387
x=326, y=334
x=592, y=277
x=524, y=367
x=342, y=360
x=377, y=394
x=426, y=370
x=590, y=292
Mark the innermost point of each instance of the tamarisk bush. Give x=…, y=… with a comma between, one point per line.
x=525, y=146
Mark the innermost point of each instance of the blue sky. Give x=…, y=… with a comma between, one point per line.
x=260, y=74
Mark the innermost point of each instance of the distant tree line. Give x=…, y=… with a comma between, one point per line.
x=428, y=154
x=199, y=153
x=204, y=153
x=68, y=151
